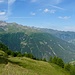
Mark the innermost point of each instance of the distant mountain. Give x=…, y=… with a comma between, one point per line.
x=64, y=35
x=42, y=43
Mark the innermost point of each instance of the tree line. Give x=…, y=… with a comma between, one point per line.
x=67, y=66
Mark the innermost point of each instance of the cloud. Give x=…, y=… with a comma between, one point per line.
x=49, y=11
x=33, y=14
x=10, y=3
x=57, y=7
x=64, y=17
x=46, y=10
x=52, y=11
x=2, y=13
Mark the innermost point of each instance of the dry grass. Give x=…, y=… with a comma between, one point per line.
x=26, y=66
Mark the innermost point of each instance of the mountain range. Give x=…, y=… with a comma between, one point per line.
x=41, y=42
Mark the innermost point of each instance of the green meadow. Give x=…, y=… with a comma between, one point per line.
x=27, y=66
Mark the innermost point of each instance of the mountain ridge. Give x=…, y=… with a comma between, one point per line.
x=41, y=43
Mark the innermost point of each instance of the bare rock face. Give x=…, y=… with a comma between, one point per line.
x=2, y=23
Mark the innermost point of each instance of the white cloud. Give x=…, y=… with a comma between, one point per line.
x=2, y=13
x=64, y=18
x=10, y=3
x=33, y=14
x=52, y=11
x=5, y=14
x=46, y=10
x=49, y=11
x=57, y=7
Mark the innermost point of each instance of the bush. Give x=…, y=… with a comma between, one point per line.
x=44, y=59
x=60, y=62
x=50, y=60
x=67, y=67
x=28, y=55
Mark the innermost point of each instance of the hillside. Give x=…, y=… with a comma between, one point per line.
x=26, y=66
x=40, y=43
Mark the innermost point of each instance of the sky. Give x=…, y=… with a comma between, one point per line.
x=52, y=14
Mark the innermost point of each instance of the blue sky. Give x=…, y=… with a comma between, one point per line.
x=53, y=14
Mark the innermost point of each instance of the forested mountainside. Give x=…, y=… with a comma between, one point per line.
x=40, y=42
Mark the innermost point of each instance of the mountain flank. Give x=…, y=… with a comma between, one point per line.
x=42, y=43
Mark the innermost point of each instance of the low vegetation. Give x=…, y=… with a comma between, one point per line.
x=16, y=63
x=68, y=67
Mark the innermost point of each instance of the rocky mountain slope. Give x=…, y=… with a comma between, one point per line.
x=42, y=43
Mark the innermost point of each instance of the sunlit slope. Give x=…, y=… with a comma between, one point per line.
x=26, y=66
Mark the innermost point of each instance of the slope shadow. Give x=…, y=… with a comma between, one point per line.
x=3, y=60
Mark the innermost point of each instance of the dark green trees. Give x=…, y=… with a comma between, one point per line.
x=3, y=47
x=57, y=61
x=67, y=67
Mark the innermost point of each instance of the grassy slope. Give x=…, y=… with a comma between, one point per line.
x=26, y=66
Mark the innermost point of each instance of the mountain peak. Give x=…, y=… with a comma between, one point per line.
x=3, y=23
